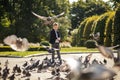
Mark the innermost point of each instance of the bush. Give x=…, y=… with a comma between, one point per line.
x=32, y=48
x=90, y=44
x=46, y=43
x=117, y=26
x=65, y=45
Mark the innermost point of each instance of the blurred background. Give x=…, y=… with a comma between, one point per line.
x=81, y=18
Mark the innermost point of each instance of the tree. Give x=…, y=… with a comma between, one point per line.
x=16, y=17
x=100, y=26
x=109, y=29
x=81, y=10
x=88, y=26
x=117, y=26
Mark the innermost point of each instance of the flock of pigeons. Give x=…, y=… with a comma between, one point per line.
x=74, y=69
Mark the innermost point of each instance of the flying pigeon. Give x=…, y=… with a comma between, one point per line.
x=95, y=36
x=17, y=44
x=105, y=51
x=97, y=72
x=48, y=20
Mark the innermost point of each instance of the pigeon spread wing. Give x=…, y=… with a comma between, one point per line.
x=40, y=17
x=97, y=72
x=17, y=44
x=106, y=52
x=57, y=16
x=10, y=40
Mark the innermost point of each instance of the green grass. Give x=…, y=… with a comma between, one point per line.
x=63, y=50
x=20, y=54
x=78, y=49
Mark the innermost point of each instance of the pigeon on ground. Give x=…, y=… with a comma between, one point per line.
x=15, y=68
x=12, y=77
x=25, y=64
x=105, y=61
x=5, y=73
x=6, y=63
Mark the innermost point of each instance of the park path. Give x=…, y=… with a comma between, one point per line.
x=43, y=76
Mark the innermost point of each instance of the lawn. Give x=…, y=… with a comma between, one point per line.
x=63, y=50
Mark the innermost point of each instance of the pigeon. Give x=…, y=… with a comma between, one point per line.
x=0, y=74
x=48, y=20
x=55, y=71
x=25, y=64
x=26, y=73
x=17, y=44
x=12, y=77
x=87, y=60
x=18, y=70
x=15, y=68
x=6, y=70
x=96, y=72
x=105, y=61
x=0, y=68
x=95, y=36
x=40, y=67
x=117, y=59
x=50, y=50
x=5, y=73
x=73, y=69
x=105, y=51
x=6, y=63
x=95, y=61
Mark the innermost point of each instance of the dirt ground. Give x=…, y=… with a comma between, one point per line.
x=43, y=76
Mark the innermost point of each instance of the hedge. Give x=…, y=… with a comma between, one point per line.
x=90, y=44
x=80, y=32
x=88, y=26
x=108, y=41
x=37, y=48
x=99, y=26
x=117, y=26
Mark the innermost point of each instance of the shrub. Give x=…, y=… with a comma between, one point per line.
x=65, y=45
x=90, y=44
x=46, y=43
x=117, y=26
x=32, y=48
x=100, y=26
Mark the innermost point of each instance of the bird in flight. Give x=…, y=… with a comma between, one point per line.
x=17, y=44
x=48, y=20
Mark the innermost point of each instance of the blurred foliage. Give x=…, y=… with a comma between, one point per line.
x=16, y=18
x=90, y=44
x=80, y=20
x=117, y=26
x=103, y=24
x=82, y=9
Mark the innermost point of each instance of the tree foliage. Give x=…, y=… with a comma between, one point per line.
x=103, y=24
x=16, y=17
x=82, y=9
x=117, y=27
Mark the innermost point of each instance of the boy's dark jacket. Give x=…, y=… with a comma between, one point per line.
x=53, y=36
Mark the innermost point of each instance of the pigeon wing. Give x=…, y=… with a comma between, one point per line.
x=40, y=17
x=25, y=44
x=10, y=40
x=59, y=15
x=106, y=52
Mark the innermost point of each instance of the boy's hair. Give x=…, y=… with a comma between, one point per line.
x=55, y=24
